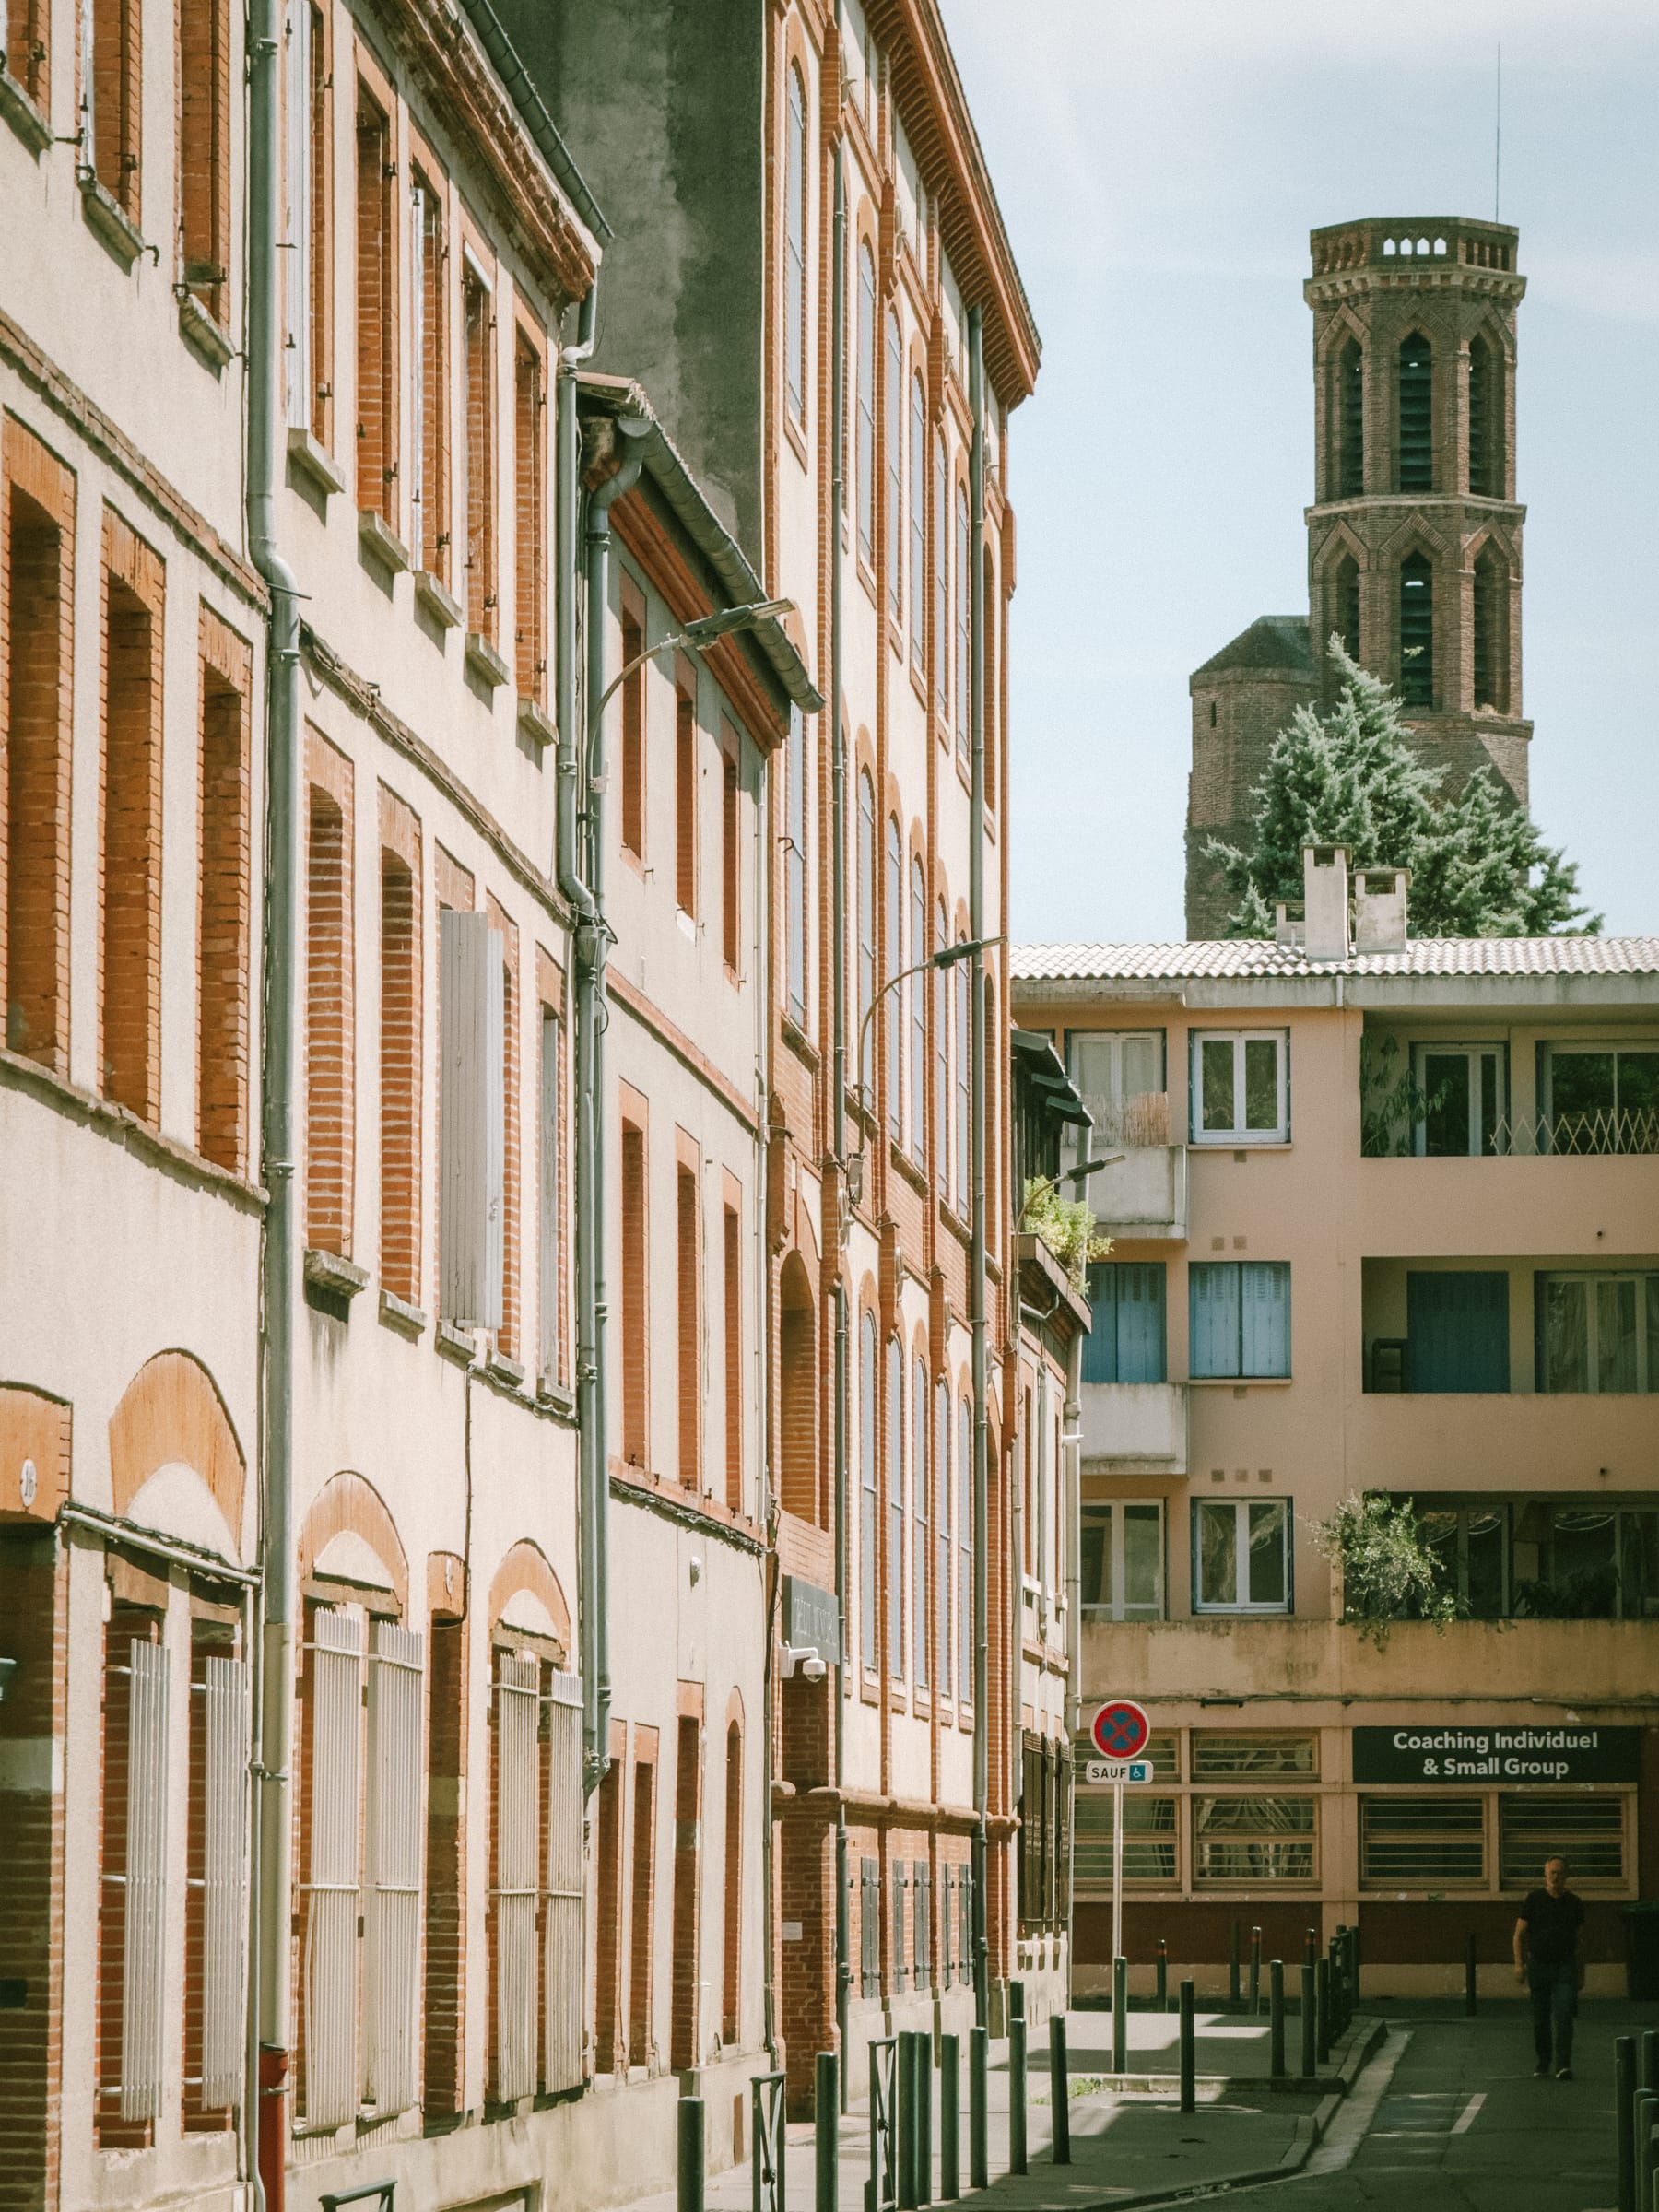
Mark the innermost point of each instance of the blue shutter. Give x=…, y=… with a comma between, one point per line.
x=1265, y=1317
x=1140, y=1322
x=1213, y=1318
x=1457, y=1330
x=1100, y=1347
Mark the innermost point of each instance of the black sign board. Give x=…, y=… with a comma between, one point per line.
x=811, y=1618
x=1504, y=1754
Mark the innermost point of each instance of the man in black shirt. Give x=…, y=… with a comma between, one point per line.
x=1547, y=1961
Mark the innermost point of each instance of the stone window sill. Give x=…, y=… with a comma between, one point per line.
x=434, y=598
x=22, y=114
x=329, y=1272
x=201, y=332
x=309, y=459
x=554, y=1394
x=484, y=661
x=535, y=722
x=505, y=1369
x=456, y=1344
x=378, y=539
x=106, y=216
x=397, y=1313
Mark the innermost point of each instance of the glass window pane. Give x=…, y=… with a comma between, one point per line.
x=1140, y=1069
x=1421, y=1843
x=1582, y=1099
x=1639, y=1101
x=1143, y=1562
x=1638, y=1599
x=1578, y=1566
x=1149, y=1837
x=1589, y=1830
x=1487, y=1531
x=1652, y=1332
x=1566, y=1333
x=1218, y=1554
x=1247, y=1752
x=1260, y=1083
x=1094, y=1566
x=1446, y=1105
x=1488, y=1103
x=1249, y=1839
x=1616, y=1336
x=1267, y=1526
x=1216, y=1066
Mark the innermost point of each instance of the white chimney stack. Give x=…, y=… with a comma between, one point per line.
x=1380, y=909
x=1325, y=902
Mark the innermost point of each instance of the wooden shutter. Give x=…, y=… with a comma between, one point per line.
x=472, y=1118
x=900, y=1977
x=224, y=1690
x=869, y=1927
x=1213, y=1288
x=392, y=1869
x=562, y=1939
x=330, y=1962
x=517, y=1883
x=1265, y=1317
x=145, y=1901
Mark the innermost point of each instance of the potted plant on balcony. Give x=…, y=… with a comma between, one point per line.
x=1389, y=1569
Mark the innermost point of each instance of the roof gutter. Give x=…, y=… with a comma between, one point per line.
x=522, y=90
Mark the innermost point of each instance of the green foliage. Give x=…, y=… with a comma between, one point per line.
x=1352, y=777
x=1392, y=1102
x=1389, y=1572
x=1066, y=1226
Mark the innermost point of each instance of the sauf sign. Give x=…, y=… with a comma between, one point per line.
x=1549, y=1755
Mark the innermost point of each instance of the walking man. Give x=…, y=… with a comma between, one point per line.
x=1547, y=1961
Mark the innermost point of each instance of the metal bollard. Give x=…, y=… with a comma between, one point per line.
x=1232, y=1965
x=1059, y=2090
x=1322, y=2010
x=1276, y=2019
x=1189, y=2063
x=1309, y=2063
x=905, y=2089
x=1256, y=1970
x=1354, y=1958
x=1624, y=2118
x=979, y=2082
x=1120, y=2016
x=1163, y=1975
x=1644, y=2106
x=1310, y=1946
x=1470, y=1978
x=1017, y=2090
x=1647, y=2062
x=826, y=2111
x=691, y=2162
x=950, y=2119
x=922, y=2058
x=1016, y=2000
x=1338, y=1985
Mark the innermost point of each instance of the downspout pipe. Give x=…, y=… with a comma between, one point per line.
x=272, y=1883
x=976, y=1277
x=837, y=1084
x=593, y=939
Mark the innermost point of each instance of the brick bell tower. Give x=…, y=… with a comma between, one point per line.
x=1414, y=538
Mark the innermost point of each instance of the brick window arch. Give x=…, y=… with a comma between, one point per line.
x=1345, y=605
x=895, y=469
x=895, y=1450
x=918, y=525
x=1486, y=422
x=868, y=1523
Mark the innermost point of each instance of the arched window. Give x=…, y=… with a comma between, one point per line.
x=867, y=405
x=795, y=251
x=895, y=997
x=1417, y=413
x=1345, y=605
x=867, y=936
x=964, y=615
x=868, y=1501
x=942, y=1536
x=941, y=643
x=918, y=525
x=942, y=1055
x=992, y=698
x=918, y=1000
x=1416, y=630
x=895, y=1420
x=731, y=1978
x=895, y=470
x=1491, y=631
x=965, y=1592
x=797, y=1348
x=964, y=1084
x=1485, y=440
x=921, y=1549
x=1350, y=421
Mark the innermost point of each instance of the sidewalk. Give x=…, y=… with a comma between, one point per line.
x=1129, y=2147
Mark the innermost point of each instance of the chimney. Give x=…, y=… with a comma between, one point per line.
x=1325, y=902
x=1380, y=909
x=1287, y=925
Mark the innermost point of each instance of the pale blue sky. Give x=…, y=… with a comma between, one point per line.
x=1159, y=166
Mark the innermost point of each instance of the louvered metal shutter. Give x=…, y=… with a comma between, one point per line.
x=901, y=1978
x=144, y=1905
x=517, y=1714
x=1265, y=1317
x=924, y=1924
x=391, y=1870
x=225, y=1692
x=946, y=1932
x=965, y=1920
x=472, y=1126
x=1457, y=1330
x=330, y=1966
x=1213, y=1287
x=563, y=1937
x=869, y=1927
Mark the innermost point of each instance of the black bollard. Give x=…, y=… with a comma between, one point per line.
x=1624, y=2118
x=924, y=2065
x=1469, y=1977
x=1120, y=2014
x=950, y=2118
x=826, y=2121
x=1309, y=2063
x=1189, y=2062
x=1059, y=2090
x=1255, y=1971
x=1016, y=2091
x=690, y=2173
x=1645, y=2105
x=1276, y=2019
x=1232, y=1965
x=1310, y=1946
x=1322, y=2010
x=906, y=2091
x=1354, y=1958
x=1647, y=2063
x=979, y=2134
x=1163, y=1975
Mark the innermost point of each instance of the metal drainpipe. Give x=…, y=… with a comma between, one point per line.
x=592, y=938
x=837, y=1081
x=976, y=1280
x=1074, y=1623
x=272, y=1893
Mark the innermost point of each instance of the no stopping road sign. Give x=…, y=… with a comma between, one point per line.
x=1120, y=1729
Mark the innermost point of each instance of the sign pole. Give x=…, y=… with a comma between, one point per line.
x=1117, y=1871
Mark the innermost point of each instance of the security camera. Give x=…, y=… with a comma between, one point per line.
x=814, y=1668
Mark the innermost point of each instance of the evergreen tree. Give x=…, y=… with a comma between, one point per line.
x=1352, y=777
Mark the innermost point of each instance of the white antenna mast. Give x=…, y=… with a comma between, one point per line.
x=1498, y=141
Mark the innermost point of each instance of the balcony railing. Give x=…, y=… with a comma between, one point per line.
x=1605, y=1134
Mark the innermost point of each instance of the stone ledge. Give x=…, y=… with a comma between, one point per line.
x=106, y=216
x=329, y=1272
x=22, y=114
x=536, y=722
x=379, y=540
x=201, y=333
x=397, y=1313
x=308, y=458
x=456, y=1344
x=435, y=599
x=503, y=1369
x=484, y=661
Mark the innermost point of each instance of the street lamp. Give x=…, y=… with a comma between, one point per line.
x=947, y=957
x=725, y=622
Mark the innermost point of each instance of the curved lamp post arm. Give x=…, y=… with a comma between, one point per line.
x=696, y=635
x=948, y=956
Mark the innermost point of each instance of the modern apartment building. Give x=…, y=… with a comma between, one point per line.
x=813, y=172
x=1385, y=1221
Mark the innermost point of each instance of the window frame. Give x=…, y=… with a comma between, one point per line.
x=1198, y=1270
x=1115, y=1513
x=1241, y=1509
x=1236, y=1137
x=1425, y=1048
x=1644, y=1332
x=798, y=130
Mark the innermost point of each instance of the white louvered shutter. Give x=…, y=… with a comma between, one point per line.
x=392, y=1869
x=518, y=1732
x=472, y=1118
x=224, y=1877
x=297, y=273
x=562, y=1939
x=146, y=1900
x=331, y=1953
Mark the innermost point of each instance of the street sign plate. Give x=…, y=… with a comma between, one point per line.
x=1117, y=1770
x=1121, y=1729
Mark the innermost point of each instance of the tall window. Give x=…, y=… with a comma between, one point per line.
x=507, y=1333
x=918, y=526
x=895, y=966
x=222, y=902
x=1416, y=630
x=1486, y=438
x=868, y=1502
x=204, y=163
x=640, y=1947
x=24, y=45
x=895, y=470
x=965, y=1592
x=920, y=1547
x=964, y=969
x=633, y=724
x=131, y=815
x=944, y=1538
x=1417, y=413
x=797, y=1392
x=685, y=792
x=941, y=998
x=993, y=696
x=635, y=1374
x=731, y=857
x=795, y=251
x=1346, y=607
x=867, y=405
x=1239, y=1317
x=731, y=1286
x=918, y=1010
x=478, y=425
x=867, y=936
x=610, y=2051
x=308, y=263
x=895, y=1444
x=1491, y=631
x=132, y=1954
x=1350, y=421
x=530, y=546
x=796, y=908
x=112, y=114
x=689, y=1327
x=964, y=620
x=941, y=638
x=688, y=1893
x=215, y=1930
x=1125, y=1343
x=376, y=313
x=550, y=1165
x=732, y=1964
x=400, y=1004
x=429, y=380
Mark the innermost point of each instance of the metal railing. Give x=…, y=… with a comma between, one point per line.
x=881, y=2193
x=769, y=2138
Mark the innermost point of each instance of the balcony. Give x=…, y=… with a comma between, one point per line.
x=1502, y=1443
x=1142, y=1198
x=1514, y=1206
x=1134, y=1427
